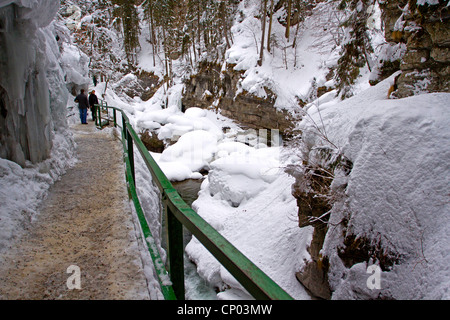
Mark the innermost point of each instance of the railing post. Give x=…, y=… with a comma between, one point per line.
x=96, y=114
x=99, y=117
x=130, y=154
x=175, y=253
x=115, y=118
x=124, y=127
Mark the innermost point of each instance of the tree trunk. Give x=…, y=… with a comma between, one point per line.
x=152, y=32
x=270, y=26
x=288, y=20
x=263, y=31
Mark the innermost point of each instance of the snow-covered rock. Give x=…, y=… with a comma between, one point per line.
x=395, y=199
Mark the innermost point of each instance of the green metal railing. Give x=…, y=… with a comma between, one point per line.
x=179, y=214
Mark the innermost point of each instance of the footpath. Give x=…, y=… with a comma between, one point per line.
x=82, y=245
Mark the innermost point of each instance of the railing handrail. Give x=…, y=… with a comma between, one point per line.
x=179, y=214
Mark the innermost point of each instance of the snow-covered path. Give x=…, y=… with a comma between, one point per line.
x=86, y=221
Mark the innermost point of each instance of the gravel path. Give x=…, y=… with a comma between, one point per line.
x=85, y=222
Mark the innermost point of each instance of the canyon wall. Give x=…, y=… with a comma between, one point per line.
x=425, y=31
x=213, y=87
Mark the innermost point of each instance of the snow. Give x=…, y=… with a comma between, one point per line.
x=397, y=189
x=22, y=189
x=265, y=221
x=306, y=60
x=75, y=65
x=39, y=12
x=429, y=2
x=196, y=148
x=74, y=21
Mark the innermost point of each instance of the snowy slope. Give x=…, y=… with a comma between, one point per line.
x=287, y=70
x=397, y=191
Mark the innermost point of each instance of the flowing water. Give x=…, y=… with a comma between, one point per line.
x=188, y=189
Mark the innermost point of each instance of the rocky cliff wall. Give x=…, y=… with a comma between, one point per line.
x=425, y=30
x=213, y=87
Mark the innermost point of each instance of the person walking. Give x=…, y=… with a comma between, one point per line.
x=93, y=100
x=83, y=106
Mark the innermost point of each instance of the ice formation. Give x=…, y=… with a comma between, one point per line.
x=33, y=96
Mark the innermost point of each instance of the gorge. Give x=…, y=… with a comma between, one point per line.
x=358, y=90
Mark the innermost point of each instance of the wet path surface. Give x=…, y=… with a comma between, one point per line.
x=85, y=222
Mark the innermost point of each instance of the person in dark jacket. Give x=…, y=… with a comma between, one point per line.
x=93, y=100
x=83, y=106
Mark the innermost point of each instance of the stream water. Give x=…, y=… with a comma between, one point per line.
x=196, y=287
